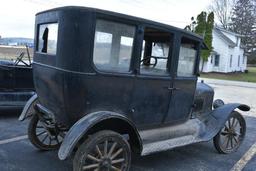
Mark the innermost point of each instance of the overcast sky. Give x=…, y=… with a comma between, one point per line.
x=17, y=16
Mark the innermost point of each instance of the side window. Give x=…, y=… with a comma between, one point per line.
x=155, y=52
x=187, y=58
x=217, y=60
x=47, y=38
x=113, y=46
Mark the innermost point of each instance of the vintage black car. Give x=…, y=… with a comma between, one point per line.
x=109, y=84
x=16, y=85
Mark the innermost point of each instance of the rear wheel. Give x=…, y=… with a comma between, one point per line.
x=230, y=137
x=43, y=135
x=103, y=151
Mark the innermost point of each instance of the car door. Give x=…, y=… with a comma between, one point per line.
x=151, y=95
x=23, y=78
x=185, y=79
x=6, y=76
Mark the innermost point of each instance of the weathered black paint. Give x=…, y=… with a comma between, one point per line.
x=76, y=87
x=75, y=91
x=16, y=85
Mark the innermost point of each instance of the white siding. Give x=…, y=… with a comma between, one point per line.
x=221, y=47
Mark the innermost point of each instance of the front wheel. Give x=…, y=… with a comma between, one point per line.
x=103, y=151
x=230, y=137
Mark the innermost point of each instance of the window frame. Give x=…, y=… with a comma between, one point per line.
x=197, y=57
x=37, y=38
x=169, y=57
x=109, y=18
x=218, y=60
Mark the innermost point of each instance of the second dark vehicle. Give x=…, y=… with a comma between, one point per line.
x=109, y=84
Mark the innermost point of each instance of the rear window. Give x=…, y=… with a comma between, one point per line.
x=47, y=38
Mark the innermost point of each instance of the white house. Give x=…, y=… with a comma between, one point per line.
x=228, y=53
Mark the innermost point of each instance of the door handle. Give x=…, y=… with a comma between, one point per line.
x=173, y=88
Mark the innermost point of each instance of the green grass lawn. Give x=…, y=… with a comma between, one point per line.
x=247, y=77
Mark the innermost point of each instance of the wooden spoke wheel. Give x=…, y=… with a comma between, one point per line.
x=103, y=151
x=231, y=135
x=44, y=135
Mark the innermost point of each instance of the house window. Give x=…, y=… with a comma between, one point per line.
x=217, y=60
x=47, y=38
x=211, y=58
x=230, y=62
x=187, y=58
x=243, y=59
x=238, y=63
x=113, y=46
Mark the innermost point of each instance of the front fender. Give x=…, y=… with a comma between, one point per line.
x=221, y=115
x=28, y=109
x=82, y=126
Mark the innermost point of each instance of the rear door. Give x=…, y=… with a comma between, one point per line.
x=185, y=80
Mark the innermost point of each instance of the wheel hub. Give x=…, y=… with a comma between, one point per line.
x=105, y=163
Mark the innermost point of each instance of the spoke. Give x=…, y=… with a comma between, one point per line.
x=226, y=127
x=93, y=158
x=117, y=161
x=237, y=133
x=62, y=134
x=236, y=140
x=229, y=124
x=116, y=154
x=50, y=142
x=227, y=142
x=39, y=126
x=231, y=142
x=233, y=122
x=44, y=138
x=98, y=151
x=106, y=148
x=57, y=140
x=224, y=141
x=236, y=123
x=112, y=149
x=115, y=168
x=41, y=133
x=224, y=133
x=92, y=166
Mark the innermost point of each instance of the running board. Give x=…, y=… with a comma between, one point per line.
x=168, y=144
x=166, y=138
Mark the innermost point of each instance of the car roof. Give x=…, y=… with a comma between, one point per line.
x=175, y=29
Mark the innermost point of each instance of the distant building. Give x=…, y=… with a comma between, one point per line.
x=228, y=53
x=17, y=42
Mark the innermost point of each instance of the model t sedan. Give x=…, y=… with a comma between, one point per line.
x=109, y=84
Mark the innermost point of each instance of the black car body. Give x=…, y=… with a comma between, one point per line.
x=96, y=70
x=16, y=86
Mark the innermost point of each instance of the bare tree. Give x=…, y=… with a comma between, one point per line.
x=223, y=11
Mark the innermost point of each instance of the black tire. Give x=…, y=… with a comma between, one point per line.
x=233, y=135
x=39, y=139
x=92, y=153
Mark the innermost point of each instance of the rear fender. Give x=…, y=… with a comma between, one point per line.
x=28, y=109
x=94, y=120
